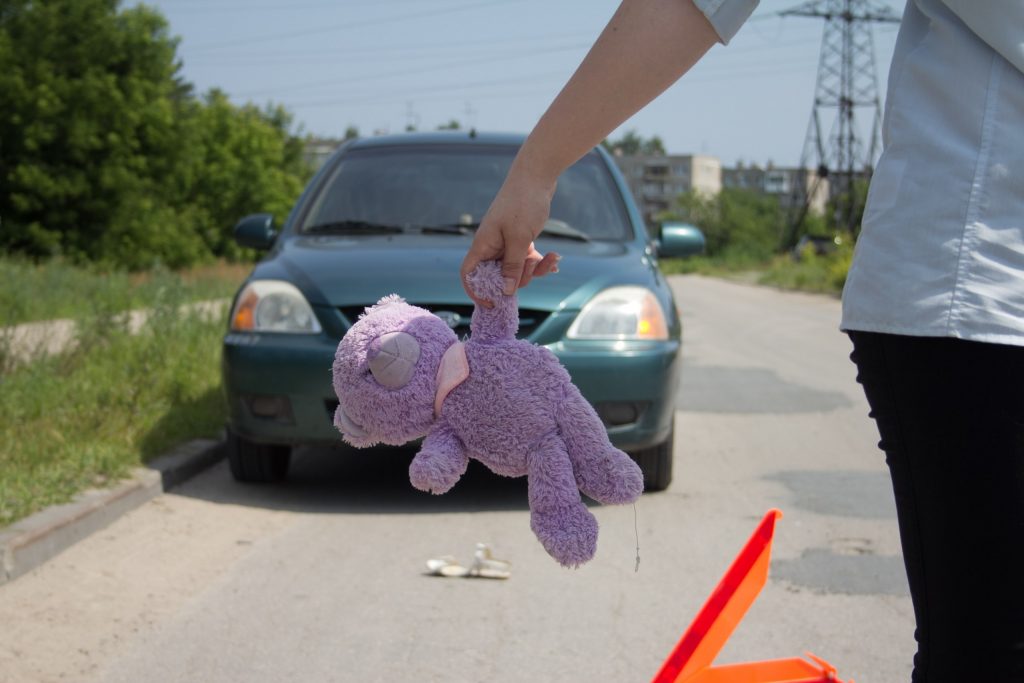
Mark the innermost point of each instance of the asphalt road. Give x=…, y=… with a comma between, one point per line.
x=321, y=579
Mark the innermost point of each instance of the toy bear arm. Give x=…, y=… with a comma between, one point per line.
x=502, y=320
x=440, y=463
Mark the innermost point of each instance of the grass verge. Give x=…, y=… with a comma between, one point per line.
x=824, y=274
x=725, y=265
x=55, y=289
x=87, y=417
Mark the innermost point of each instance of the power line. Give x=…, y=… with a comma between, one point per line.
x=407, y=72
x=350, y=25
x=448, y=48
x=404, y=92
x=207, y=8
x=711, y=72
x=485, y=96
x=447, y=45
x=463, y=56
x=753, y=70
x=402, y=95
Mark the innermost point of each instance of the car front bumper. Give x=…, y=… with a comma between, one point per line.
x=278, y=386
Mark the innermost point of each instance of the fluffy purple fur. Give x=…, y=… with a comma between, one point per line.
x=518, y=413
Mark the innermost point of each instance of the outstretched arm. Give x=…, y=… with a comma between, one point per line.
x=646, y=47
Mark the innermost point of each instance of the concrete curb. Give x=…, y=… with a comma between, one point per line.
x=30, y=542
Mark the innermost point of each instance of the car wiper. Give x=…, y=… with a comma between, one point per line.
x=450, y=228
x=555, y=228
x=353, y=227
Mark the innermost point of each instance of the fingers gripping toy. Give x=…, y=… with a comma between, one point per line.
x=400, y=374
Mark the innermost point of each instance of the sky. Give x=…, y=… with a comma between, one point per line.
x=380, y=65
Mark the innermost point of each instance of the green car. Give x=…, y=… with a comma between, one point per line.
x=396, y=214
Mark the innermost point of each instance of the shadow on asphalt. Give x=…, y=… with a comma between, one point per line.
x=333, y=480
x=751, y=391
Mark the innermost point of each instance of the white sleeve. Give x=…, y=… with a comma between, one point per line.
x=726, y=16
x=1000, y=23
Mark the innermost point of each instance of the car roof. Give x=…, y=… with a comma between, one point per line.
x=447, y=137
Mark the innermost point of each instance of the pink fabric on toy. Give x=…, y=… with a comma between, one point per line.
x=453, y=371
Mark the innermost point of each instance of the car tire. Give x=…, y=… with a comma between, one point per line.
x=257, y=462
x=656, y=464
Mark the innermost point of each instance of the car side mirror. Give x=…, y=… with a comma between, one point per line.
x=256, y=231
x=680, y=239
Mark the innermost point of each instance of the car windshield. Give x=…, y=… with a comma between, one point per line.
x=447, y=189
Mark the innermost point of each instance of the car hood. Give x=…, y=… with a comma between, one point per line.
x=348, y=271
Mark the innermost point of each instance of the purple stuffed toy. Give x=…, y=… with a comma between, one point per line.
x=401, y=373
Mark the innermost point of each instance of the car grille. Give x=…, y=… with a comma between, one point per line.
x=458, y=315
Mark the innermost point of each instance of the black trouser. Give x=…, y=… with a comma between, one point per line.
x=951, y=417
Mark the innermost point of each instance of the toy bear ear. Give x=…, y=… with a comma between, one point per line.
x=389, y=299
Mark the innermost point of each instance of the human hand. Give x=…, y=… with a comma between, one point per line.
x=506, y=233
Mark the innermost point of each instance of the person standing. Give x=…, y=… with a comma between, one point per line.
x=934, y=300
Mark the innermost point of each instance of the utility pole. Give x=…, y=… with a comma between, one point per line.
x=412, y=119
x=470, y=113
x=847, y=82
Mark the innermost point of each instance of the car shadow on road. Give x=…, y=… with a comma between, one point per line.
x=376, y=481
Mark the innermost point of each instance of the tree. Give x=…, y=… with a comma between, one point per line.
x=735, y=222
x=107, y=156
x=632, y=143
x=451, y=125
x=89, y=119
x=245, y=161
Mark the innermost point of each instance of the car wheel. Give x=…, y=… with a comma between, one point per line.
x=656, y=464
x=257, y=462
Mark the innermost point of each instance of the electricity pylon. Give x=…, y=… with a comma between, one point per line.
x=847, y=82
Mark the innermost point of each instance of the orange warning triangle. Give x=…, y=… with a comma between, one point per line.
x=690, y=661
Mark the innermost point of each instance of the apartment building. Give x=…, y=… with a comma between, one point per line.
x=656, y=181
x=791, y=185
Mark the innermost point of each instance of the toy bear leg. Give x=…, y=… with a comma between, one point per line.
x=603, y=472
x=558, y=516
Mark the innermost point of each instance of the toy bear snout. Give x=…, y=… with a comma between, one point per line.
x=393, y=359
x=347, y=425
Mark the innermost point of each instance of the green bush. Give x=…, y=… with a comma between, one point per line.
x=810, y=271
x=740, y=226
x=839, y=266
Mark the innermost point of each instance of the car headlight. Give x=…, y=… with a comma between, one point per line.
x=273, y=306
x=627, y=312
